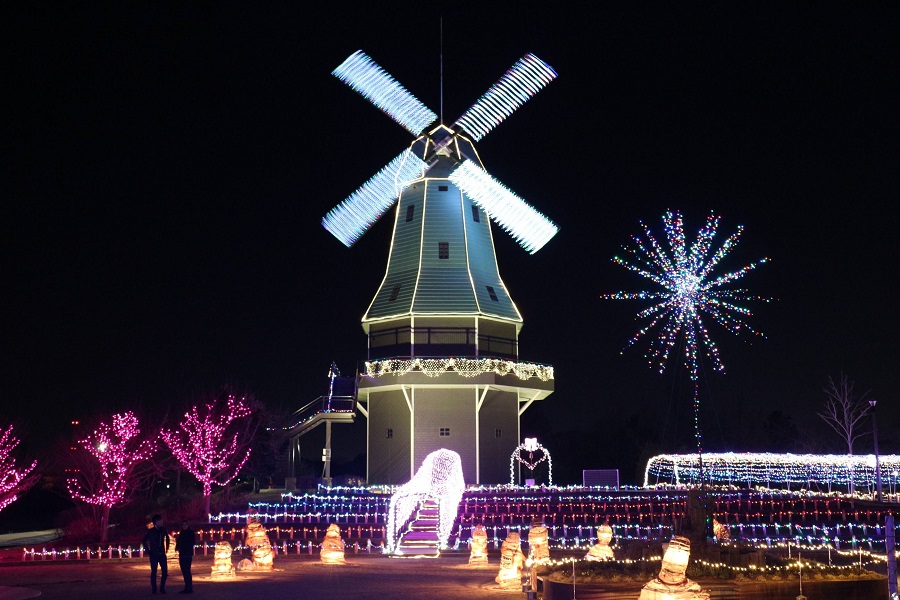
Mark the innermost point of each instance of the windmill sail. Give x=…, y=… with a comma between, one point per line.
x=527, y=226
x=364, y=75
x=523, y=80
x=351, y=218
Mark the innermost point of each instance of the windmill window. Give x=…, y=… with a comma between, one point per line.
x=395, y=292
x=475, y=216
x=492, y=293
x=442, y=188
x=410, y=212
x=443, y=250
x=390, y=433
x=498, y=433
x=445, y=432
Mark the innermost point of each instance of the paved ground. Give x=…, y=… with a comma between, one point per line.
x=363, y=577
x=303, y=577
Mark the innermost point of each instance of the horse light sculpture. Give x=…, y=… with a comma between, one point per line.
x=440, y=480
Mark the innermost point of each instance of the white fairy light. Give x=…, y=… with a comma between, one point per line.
x=351, y=218
x=764, y=468
x=527, y=226
x=439, y=479
x=364, y=75
x=466, y=367
x=522, y=81
x=531, y=446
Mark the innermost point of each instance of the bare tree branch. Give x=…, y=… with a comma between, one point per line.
x=844, y=411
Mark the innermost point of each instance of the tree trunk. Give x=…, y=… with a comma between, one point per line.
x=104, y=525
x=850, y=453
x=206, y=496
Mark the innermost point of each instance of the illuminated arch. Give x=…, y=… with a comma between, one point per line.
x=531, y=446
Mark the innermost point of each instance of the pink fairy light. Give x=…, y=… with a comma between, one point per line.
x=117, y=449
x=202, y=444
x=13, y=481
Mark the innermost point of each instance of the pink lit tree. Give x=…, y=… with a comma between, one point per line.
x=13, y=480
x=117, y=452
x=210, y=442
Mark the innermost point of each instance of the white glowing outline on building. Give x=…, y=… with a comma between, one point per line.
x=439, y=479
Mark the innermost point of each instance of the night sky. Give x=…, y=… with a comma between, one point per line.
x=167, y=167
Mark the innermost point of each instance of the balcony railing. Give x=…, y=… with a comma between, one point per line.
x=439, y=341
x=322, y=404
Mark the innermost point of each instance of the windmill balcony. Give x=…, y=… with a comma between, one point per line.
x=425, y=342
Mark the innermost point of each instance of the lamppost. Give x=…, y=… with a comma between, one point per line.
x=877, y=460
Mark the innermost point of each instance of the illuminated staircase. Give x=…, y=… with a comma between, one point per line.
x=422, y=537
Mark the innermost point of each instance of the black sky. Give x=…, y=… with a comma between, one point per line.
x=167, y=166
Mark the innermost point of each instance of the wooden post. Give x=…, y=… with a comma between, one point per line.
x=891, y=556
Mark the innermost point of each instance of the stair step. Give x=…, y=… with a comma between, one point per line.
x=418, y=544
x=420, y=535
x=425, y=524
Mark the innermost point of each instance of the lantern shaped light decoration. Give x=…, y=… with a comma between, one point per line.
x=720, y=531
x=171, y=554
x=530, y=446
x=256, y=538
x=440, y=480
x=675, y=561
x=478, y=554
x=332, y=546
x=511, y=561
x=222, y=567
x=672, y=582
x=601, y=550
x=538, y=542
x=263, y=557
x=255, y=533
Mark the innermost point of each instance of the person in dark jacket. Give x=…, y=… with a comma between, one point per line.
x=156, y=544
x=184, y=545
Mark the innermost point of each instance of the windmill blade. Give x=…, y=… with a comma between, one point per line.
x=527, y=226
x=364, y=75
x=351, y=218
x=525, y=79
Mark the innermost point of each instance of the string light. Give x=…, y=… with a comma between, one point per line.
x=466, y=367
x=574, y=518
x=13, y=480
x=531, y=446
x=440, y=480
x=117, y=449
x=768, y=468
x=688, y=292
x=203, y=447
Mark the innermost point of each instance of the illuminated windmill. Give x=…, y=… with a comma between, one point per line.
x=442, y=298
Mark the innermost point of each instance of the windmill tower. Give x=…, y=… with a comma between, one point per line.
x=443, y=367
